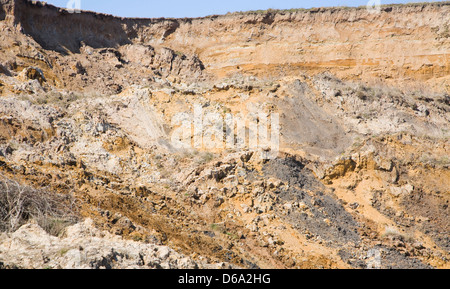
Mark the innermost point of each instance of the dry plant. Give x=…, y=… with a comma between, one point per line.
x=19, y=204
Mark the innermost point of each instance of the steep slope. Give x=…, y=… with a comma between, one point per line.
x=354, y=43
x=96, y=107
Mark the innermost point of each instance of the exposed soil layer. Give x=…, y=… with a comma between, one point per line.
x=103, y=113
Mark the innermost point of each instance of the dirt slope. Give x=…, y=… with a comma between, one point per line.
x=90, y=105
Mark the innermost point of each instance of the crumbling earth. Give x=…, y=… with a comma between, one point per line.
x=361, y=178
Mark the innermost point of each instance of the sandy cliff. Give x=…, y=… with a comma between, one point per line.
x=90, y=104
x=351, y=42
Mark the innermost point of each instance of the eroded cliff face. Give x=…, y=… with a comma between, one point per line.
x=408, y=42
x=90, y=104
x=401, y=42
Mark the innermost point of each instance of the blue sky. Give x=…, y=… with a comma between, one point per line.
x=198, y=8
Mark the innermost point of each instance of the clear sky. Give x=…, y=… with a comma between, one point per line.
x=198, y=8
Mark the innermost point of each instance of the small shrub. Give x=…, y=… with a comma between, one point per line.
x=179, y=54
x=204, y=157
x=391, y=232
x=361, y=95
x=19, y=204
x=63, y=252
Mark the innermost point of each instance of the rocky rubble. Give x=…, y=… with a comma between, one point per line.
x=362, y=162
x=84, y=247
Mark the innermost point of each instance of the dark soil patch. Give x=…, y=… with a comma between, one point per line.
x=321, y=204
